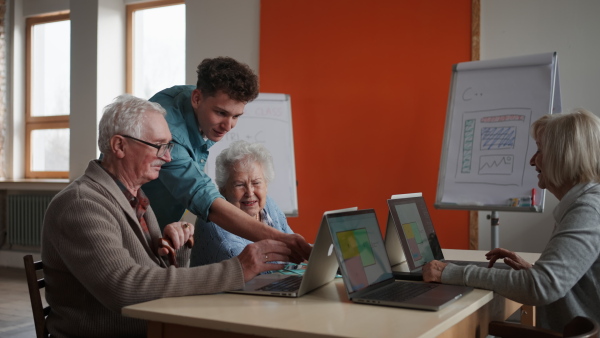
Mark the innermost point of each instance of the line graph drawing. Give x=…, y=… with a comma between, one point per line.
x=496, y=165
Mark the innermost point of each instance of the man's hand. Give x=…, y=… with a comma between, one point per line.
x=432, y=271
x=510, y=258
x=257, y=257
x=178, y=233
x=300, y=249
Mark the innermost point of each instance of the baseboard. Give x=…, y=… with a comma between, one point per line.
x=14, y=258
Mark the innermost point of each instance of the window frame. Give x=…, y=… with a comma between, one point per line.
x=131, y=9
x=39, y=122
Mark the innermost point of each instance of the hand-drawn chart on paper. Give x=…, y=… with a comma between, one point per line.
x=487, y=145
x=492, y=144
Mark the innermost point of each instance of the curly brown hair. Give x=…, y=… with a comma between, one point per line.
x=231, y=77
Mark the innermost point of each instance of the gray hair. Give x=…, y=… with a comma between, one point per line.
x=246, y=154
x=124, y=116
x=570, y=143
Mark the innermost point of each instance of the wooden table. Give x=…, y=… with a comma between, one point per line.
x=325, y=312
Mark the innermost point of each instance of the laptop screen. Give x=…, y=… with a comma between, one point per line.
x=415, y=229
x=359, y=248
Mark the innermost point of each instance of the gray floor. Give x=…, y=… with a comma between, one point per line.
x=16, y=320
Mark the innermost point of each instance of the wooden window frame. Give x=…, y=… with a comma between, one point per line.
x=39, y=122
x=131, y=9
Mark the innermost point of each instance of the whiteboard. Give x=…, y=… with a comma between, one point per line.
x=267, y=120
x=487, y=145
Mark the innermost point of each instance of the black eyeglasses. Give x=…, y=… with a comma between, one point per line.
x=161, y=149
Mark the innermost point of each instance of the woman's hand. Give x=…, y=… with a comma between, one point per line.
x=432, y=271
x=510, y=258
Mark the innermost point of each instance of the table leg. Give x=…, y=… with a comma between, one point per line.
x=528, y=315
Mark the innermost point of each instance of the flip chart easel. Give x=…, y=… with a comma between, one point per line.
x=487, y=146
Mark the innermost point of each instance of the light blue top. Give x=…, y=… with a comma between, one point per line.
x=213, y=244
x=182, y=183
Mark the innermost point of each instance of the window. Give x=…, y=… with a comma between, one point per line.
x=155, y=46
x=48, y=89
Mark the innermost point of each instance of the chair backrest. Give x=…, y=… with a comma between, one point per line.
x=578, y=327
x=39, y=311
x=581, y=327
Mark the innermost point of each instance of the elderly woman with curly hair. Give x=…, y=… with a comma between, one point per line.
x=565, y=281
x=243, y=173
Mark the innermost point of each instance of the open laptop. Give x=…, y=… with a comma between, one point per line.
x=411, y=236
x=367, y=272
x=321, y=269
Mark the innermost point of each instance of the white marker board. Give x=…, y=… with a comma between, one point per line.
x=267, y=120
x=487, y=145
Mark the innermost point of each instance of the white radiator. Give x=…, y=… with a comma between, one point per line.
x=25, y=215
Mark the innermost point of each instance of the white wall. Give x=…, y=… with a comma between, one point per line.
x=221, y=28
x=97, y=72
x=15, y=96
x=522, y=27
x=40, y=7
x=84, y=84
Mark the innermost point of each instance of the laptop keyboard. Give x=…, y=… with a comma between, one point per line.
x=400, y=292
x=290, y=283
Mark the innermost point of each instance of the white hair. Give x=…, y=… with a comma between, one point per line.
x=124, y=116
x=246, y=154
x=570, y=143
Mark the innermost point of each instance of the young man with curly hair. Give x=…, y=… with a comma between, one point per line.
x=198, y=117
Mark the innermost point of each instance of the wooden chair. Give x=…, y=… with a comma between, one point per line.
x=578, y=327
x=39, y=311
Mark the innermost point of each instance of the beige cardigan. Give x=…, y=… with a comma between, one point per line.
x=96, y=261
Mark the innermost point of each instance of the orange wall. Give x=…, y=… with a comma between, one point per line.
x=369, y=85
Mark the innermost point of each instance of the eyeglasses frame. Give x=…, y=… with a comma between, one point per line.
x=168, y=146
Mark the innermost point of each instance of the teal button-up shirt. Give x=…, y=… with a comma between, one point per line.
x=182, y=183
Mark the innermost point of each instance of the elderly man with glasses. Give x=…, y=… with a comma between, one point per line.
x=102, y=247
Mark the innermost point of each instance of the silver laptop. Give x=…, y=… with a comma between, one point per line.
x=367, y=272
x=321, y=269
x=411, y=237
